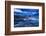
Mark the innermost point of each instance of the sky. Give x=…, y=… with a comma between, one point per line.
x=26, y=17
x=26, y=12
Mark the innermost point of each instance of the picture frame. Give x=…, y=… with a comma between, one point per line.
x=32, y=8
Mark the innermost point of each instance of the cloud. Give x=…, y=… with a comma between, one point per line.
x=30, y=18
x=18, y=10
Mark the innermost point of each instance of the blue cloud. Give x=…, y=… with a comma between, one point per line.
x=26, y=12
x=26, y=17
